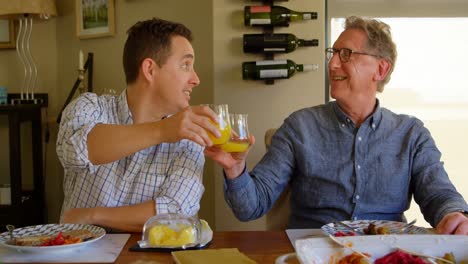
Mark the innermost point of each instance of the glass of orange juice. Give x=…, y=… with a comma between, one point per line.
x=239, y=140
x=223, y=125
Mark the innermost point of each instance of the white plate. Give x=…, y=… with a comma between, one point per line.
x=395, y=227
x=50, y=229
x=324, y=251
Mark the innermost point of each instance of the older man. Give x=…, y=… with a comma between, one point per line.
x=349, y=158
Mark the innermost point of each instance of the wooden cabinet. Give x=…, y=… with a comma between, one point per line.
x=27, y=203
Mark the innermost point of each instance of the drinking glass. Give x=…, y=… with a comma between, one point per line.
x=239, y=140
x=223, y=125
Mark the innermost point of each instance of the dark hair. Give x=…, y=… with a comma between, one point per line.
x=150, y=39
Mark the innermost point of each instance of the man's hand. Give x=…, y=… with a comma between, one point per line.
x=232, y=163
x=191, y=123
x=453, y=223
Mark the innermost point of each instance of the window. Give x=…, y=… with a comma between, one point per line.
x=429, y=83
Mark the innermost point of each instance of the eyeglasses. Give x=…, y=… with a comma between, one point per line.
x=344, y=53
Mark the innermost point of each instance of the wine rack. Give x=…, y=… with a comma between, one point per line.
x=269, y=55
x=268, y=29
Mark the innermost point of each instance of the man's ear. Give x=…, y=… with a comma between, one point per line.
x=382, y=71
x=148, y=69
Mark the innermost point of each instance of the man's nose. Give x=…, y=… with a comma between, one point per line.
x=334, y=61
x=195, y=81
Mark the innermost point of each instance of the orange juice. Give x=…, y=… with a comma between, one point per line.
x=235, y=146
x=225, y=134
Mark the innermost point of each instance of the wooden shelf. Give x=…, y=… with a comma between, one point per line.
x=23, y=212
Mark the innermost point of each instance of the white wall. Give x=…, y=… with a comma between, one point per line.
x=267, y=105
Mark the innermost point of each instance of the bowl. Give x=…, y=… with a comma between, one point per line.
x=171, y=231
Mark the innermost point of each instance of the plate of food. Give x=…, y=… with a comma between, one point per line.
x=384, y=249
x=51, y=237
x=371, y=227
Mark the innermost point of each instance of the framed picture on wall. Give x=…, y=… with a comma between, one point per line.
x=7, y=34
x=95, y=18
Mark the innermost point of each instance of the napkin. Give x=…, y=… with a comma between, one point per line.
x=207, y=256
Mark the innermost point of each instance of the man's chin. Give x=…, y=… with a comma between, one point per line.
x=183, y=106
x=333, y=93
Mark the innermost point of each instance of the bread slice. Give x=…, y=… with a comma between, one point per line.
x=34, y=241
x=83, y=234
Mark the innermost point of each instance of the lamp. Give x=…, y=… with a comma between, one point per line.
x=25, y=11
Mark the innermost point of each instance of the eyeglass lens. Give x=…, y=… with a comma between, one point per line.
x=344, y=53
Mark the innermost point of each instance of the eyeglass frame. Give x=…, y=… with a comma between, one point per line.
x=332, y=51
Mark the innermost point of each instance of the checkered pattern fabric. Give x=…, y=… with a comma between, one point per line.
x=168, y=173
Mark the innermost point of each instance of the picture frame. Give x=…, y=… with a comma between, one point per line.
x=95, y=18
x=7, y=34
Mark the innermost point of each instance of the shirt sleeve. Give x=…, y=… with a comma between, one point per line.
x=432, y=188
x=78, y=118
x=252, y=195
x=183, y=189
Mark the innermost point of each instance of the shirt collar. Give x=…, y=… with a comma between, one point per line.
x=376, y=117
x=125, y=116
x=373, y=120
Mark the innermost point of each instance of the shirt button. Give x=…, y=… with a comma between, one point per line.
x=342, y=125
x=357, y=197
x=373, y=125
x=355, y=218
x=359, y=138
x=348, y=120
x=358, y=167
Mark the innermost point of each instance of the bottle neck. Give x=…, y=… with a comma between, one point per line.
x=307, y=43
x=306, y=67
x=294, y=15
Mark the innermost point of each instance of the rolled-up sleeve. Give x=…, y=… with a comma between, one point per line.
x=183, y=188
x=78, y=118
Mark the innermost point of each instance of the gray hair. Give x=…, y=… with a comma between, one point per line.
x=379, y=41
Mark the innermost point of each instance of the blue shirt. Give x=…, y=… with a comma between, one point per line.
x=168, y=173
x=338, y=171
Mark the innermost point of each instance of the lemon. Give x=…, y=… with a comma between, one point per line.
x=186, y=236
x=163, y=235
x=205, y=225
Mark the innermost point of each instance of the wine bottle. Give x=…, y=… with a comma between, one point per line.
x=274, y=16
x=273, y=69
x=270, y=43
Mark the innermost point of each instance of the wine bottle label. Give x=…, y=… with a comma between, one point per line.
x=267, y=74
x=270, y=62
x=277, y=38
x=260, y=9
x=274, y=49
x=260, y=21
x=255, y=43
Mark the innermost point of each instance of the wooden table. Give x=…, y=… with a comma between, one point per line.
x=261, y=246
